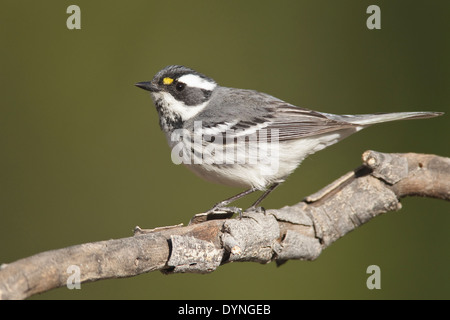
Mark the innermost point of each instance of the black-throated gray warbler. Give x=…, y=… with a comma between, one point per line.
x=245, y=138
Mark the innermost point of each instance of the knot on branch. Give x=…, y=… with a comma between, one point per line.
x=190, y=254
x=252, y=238
x=387, y=166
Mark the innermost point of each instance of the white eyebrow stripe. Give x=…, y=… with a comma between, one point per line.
x=193, y=80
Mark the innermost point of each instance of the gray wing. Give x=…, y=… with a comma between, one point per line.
x=295, y=123
x=249, y=111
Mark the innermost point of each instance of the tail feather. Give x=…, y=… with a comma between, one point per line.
x=368, y=119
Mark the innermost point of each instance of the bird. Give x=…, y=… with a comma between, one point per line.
x=245, y=138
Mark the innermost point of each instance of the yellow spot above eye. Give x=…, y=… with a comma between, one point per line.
x=167, y=81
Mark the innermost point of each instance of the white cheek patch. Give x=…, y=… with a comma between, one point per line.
x=192, y=80
x=178, y=107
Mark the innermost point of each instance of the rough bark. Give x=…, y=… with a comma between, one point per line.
x=300, y=231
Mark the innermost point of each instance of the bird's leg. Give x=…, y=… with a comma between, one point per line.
x=254, y=207
x=220, y=210
x=223, y=204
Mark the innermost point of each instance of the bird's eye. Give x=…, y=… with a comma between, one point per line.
x=180, y=86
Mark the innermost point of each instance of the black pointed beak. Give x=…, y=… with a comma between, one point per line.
x=149, y=86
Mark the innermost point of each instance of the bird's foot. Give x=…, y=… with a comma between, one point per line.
x=216, y=212
x=256, y=209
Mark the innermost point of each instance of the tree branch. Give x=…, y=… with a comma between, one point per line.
x=300, y=231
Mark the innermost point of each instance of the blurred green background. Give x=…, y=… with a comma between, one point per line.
x=83, y=158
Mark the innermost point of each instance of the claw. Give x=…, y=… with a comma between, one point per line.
x=224, y=209
x=216, y=212
x=256, y=209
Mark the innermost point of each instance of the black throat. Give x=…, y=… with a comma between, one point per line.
x=168, y=120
